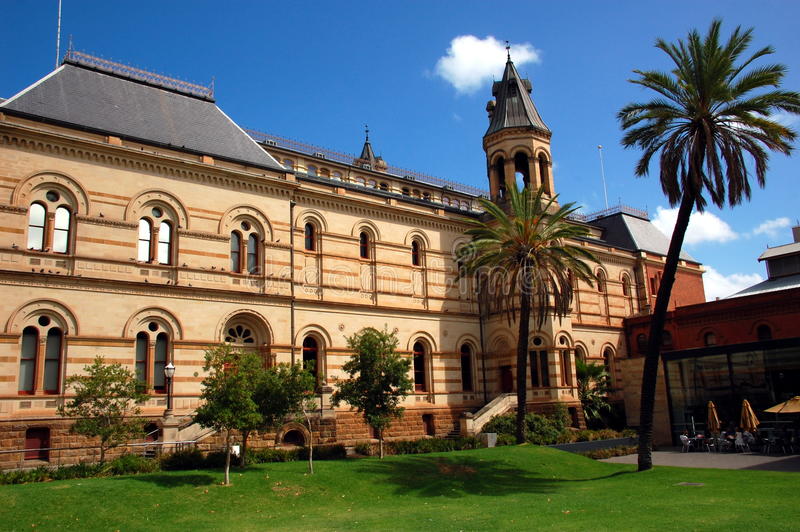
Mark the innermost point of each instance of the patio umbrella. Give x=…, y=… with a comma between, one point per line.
x=792, y=406
x=713, y=418
x=749, y=421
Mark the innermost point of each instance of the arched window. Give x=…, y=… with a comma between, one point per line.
x=544, y=171
x=236, y=246
x=384, y=186
x=500, y=173
x=311, y=356
x=372, y=183
x=245, y=249
x=601, y=281
x=311, y=169
x=361, y=181
x=416, y=259
x=288, y=164
x=763, y=332
x=580, y=353
x=37, y=216
x=310, y=237
x=445, y=200
x=324, y=172
x=363, y=245
x=406, y=191
x=145, y=234
x=566, y=362
x=420, y=373
x=240, y=334
x=608, y=360
x=337, y=176
x=626, y=289
x=540, y=366
x=426, y=196
x=152, y=354
x=466, y=368
x=710, y=339
x=521, y=170
x=36, y=358
x=164, y=243
x=61, y=227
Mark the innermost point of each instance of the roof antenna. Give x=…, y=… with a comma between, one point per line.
x=58, y=34
x=508, y=50
x=603, y=173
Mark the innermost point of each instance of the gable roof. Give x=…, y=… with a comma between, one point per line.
x=631, y=232
x=513, y=104
x=75, y=95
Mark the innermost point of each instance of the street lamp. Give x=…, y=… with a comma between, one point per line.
x=169, y=372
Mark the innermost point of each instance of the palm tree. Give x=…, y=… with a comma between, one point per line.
x=594, y=384
x=710, y=114
x=524, y=260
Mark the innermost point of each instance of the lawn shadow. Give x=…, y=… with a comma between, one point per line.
x=459, y=476
x=174, y=480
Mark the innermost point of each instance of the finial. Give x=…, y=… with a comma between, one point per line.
x=366, y=131
x=508, y=50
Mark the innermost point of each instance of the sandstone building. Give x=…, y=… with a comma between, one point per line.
x=139, y=222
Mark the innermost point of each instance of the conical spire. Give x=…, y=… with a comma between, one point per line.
x=367, y=155
x=513, y=106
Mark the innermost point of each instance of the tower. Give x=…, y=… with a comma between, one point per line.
x=517, y=142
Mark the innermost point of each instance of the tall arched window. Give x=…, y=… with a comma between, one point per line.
x=311, y=356
x=145, y=234
x=363, y=245
x=152, y=354
x=521, y=170
x=236, y=246
x=500, y=173
x=420, y=373
x=61, y=227
x=164, y=243
x=40, y=365
x=601, y=281
x=310, y=237
x=608, y=360
x=566, y=362
x=245, y=249
x=37, y=216
x=544, y=170
x=416, y=259
x=580, y=353
x=466, y=368
x=763, y=332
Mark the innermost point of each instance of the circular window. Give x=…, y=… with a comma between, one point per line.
x=563, y=340
x=245, y=226
x=537, y=341
x=240, y=335
x=157, y=212
x=44, y=321
x=153, y=326
x=52, y=195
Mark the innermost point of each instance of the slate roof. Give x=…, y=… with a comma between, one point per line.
x=77, y=96
x=513, y=104
x=770, y=285
x=625, y=231
x=779, y=251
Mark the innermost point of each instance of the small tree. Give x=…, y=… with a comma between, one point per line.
x=106, y=399
x=228, y=394
x=283, y=391
x=593, y=387
x=378, y=379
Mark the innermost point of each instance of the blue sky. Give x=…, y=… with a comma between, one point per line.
x=419, y=74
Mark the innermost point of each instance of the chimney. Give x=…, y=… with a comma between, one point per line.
x=796, y=233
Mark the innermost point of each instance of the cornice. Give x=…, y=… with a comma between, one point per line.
x=96, y=220
x=13, y=209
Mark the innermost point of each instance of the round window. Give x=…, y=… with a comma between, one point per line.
x=157, y=212
x=153, y=326
x=245, y=226
x=52, y=195
x=537, y=341
x=44, y=321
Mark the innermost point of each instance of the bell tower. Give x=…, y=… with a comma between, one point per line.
x=517, y=143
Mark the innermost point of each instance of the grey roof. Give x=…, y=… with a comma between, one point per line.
x=631, y=232
x=779, y=251
x=77, y=96
x=770, y=285
x=513, y=104
x=366, y=152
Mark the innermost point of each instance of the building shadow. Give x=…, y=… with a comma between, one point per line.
x=174, y=480
x=456, y=476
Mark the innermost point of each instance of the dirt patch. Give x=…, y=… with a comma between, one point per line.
x=454, y=469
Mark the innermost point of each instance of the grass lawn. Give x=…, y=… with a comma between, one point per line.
x=507, y=488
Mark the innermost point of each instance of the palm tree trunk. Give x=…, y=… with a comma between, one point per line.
x=650, y=372
x=522, y=350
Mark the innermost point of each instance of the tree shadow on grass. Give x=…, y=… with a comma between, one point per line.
x=459, y=476
x=174, y=480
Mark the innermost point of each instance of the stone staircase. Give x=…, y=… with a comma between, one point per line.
x=471, y=424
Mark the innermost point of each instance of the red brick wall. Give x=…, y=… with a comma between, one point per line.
x=687, y=290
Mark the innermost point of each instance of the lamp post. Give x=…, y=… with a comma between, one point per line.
x=169, y=372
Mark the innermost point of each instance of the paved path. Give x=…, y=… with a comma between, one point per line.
x=718, y=460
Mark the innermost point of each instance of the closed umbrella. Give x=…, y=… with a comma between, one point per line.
x=749, y=421
x=792, y=406
x=713, y=418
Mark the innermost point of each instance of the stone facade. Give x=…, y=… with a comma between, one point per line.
x=144, y=265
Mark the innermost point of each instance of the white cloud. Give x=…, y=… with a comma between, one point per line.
x=718, y=285
x=703, y=226
x=771, y=227
x=471, y=61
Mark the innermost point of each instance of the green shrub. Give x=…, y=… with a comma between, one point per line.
x=183, y=460
x=80, y=470
x=567, y=436
x=131, y=464
x=334, y=451
x=502, y=424
x=541, y=430
x=506, y=439
x=364, y=449
x=216, y=460
x=266, y=456
x=608, y=453
x=467, y=442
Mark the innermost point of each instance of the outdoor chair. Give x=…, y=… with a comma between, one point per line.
x=741, y=445
x=687, y=443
